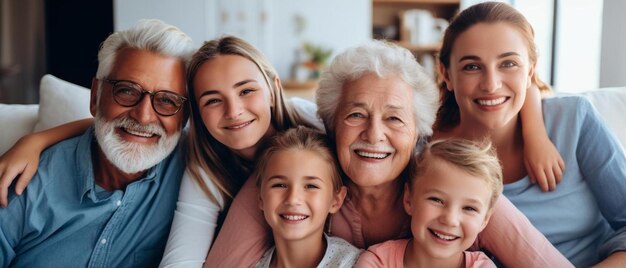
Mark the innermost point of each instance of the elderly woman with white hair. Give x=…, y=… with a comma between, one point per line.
x=377, y=104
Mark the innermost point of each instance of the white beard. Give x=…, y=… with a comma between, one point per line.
x=131, y=157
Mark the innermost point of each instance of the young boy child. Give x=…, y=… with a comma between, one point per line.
x=452, y=187
x=299, y=187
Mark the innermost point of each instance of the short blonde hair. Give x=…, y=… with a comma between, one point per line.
x=300, y=138
x=476, y=158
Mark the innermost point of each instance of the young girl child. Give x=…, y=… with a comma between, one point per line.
x=297, y=198
x=450, y=195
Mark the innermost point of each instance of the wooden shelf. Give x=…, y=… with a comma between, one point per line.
x=305, y=90
x=433, y=48
x=387, y=12
x=297, y=85
x=388, y=24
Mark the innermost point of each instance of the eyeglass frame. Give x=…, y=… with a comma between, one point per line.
x=114, y=82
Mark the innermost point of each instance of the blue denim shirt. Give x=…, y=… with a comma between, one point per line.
x=64, y=219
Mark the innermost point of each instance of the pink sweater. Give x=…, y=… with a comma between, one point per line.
x=390, y=254
x=245, y=235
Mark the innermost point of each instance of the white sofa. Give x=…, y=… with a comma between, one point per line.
x=61, y=101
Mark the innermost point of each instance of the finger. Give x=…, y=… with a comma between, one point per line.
x=4, y=189
x=542, y=181
x=550, y=180
x=7, y=178
x=4, y=192
x=529, y=170
x=558, y=173
x=24, y=179
x=562, y=165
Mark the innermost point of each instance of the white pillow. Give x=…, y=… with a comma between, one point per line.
x=61, y=102
x=16, y=120
x=611, y=103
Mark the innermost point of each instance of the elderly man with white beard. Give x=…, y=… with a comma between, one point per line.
x=107, y=197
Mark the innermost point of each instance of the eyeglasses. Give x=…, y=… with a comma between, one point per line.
x=129, y=94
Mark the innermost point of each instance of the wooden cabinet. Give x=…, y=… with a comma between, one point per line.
x=392, y=22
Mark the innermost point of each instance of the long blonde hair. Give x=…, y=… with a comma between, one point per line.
x=227, y=170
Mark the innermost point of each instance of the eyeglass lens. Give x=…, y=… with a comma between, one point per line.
x=164, y=103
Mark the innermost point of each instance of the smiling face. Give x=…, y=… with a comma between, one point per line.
x=234, y=102
x=297, y=198
x=489, y=73
x=448, y=208
x=136, y=138
x=375, y=129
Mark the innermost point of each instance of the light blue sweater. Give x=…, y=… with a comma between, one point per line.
x=585, y=217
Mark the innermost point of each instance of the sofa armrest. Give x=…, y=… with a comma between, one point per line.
x=16, y=120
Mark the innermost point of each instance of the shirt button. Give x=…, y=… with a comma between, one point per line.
x=103, y=241
x=118, y=203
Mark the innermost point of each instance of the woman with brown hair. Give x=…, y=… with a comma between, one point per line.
x=487, y=63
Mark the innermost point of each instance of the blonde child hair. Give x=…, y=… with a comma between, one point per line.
x=476, y=158
x=300, y=138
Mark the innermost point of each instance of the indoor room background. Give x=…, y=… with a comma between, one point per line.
x=582, y=44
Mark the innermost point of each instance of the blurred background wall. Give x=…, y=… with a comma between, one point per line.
x=581, y=43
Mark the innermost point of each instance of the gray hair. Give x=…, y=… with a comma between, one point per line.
x=150, y=35
x=383, y=59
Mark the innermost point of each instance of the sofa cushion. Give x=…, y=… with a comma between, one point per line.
x=611, y=103
x=60, y=102
x=16, y=120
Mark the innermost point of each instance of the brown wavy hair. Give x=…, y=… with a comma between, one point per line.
x=488, y=12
